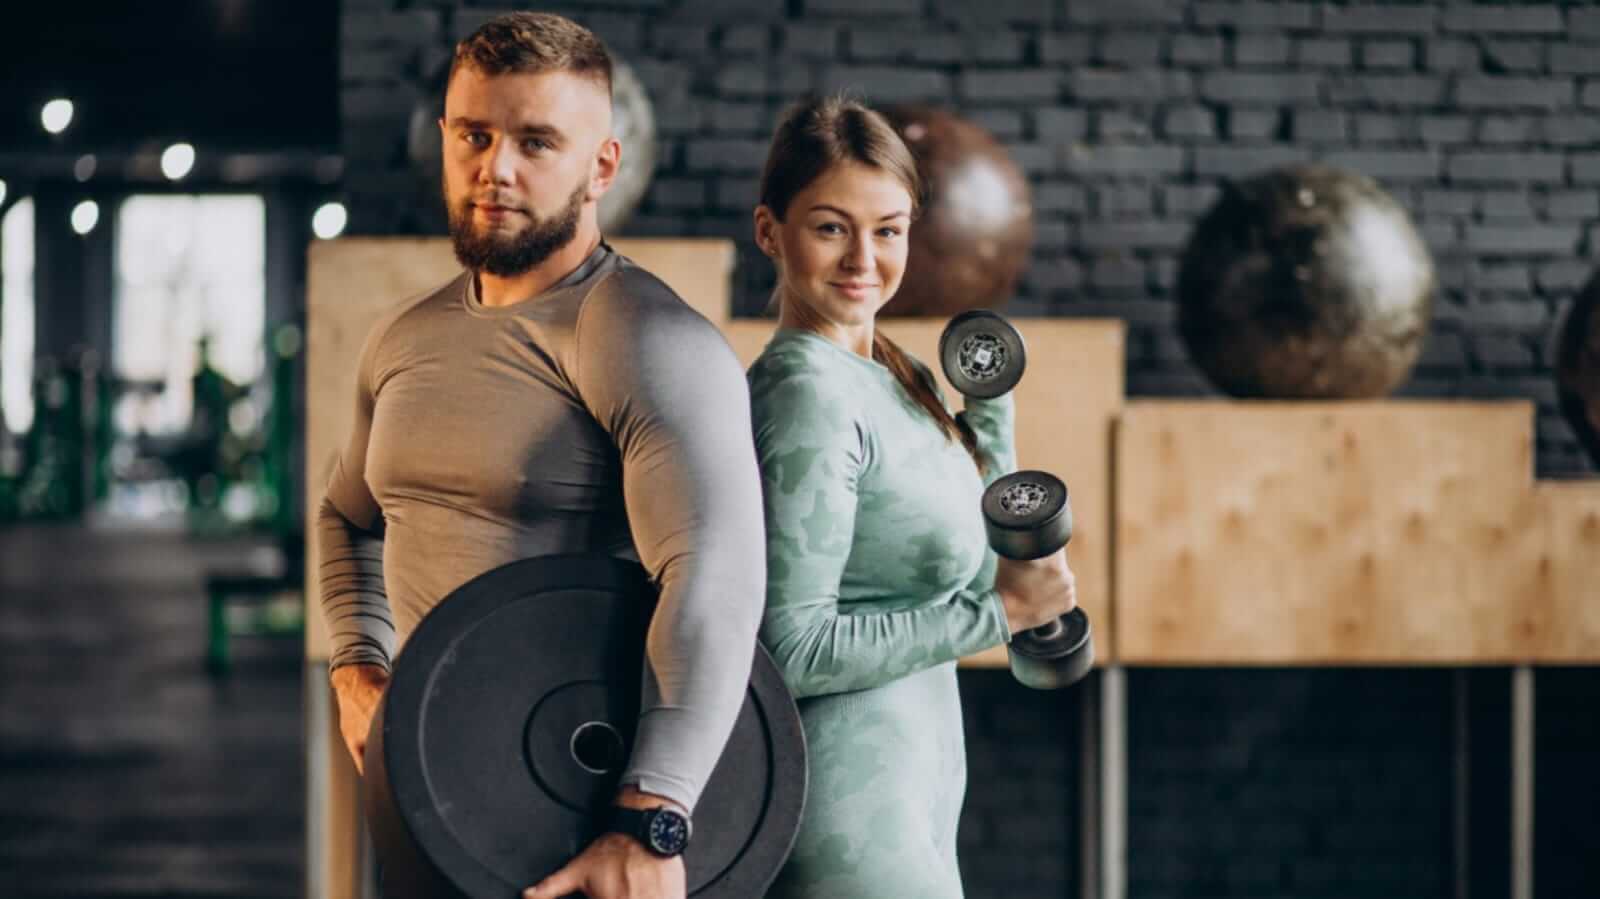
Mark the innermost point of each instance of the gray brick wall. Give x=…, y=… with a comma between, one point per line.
x=1481, y=119
x=1490, y=106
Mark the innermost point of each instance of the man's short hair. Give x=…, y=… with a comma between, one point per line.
x=532, y=43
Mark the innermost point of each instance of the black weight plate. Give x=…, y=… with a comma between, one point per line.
x=1054, y=656
x=1027, y=514
x=505, y=727
x=982, y=354
x=1065, y=636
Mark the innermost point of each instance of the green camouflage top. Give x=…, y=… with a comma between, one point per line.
x=879, y=577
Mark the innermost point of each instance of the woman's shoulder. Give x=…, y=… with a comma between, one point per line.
x=796, y=356
x=795, y=377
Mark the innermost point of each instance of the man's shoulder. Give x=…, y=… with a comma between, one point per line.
x=627, y=281
x=631, y=300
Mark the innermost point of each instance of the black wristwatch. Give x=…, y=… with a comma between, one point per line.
x=664, y=831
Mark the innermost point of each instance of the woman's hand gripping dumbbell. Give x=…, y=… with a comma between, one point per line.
x=1027, y=514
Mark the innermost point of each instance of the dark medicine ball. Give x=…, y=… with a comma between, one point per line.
x=1578, y=367
x=1306, y=282
x=972, y=242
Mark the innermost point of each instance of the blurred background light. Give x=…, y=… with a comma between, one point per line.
x=329, y=220
x=85, y=216
x=56, y=115
x=177, y=161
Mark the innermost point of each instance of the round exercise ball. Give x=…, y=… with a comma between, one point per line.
x=1578, y=367
x=972, y=240
x=633, y=122
x=1306, y=282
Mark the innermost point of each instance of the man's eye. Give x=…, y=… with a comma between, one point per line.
x=477, y=139
x=535, y=145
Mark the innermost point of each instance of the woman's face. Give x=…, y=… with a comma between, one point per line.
x=841, y=248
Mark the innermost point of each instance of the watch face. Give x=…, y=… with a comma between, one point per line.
x=669, y=832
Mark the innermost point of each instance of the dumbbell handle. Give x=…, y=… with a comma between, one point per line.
x=1047, y=631
x=1057, y=653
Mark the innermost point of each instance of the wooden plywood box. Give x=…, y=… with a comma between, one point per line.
x=1560, y=613
x=1347, y=533
x=1066, y=403
x=351, y=282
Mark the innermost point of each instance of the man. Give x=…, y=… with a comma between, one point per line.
x=553, y=398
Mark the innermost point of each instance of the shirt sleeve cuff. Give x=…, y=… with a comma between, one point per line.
x=997, y=609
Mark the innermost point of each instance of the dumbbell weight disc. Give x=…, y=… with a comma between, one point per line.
x=1027, y=515
x=983, y=356
x=1054, y=655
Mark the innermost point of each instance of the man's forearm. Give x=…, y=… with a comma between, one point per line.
x=633, y=797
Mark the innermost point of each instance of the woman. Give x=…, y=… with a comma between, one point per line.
x=879, y=573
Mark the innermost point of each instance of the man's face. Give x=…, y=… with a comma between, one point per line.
x=526, y=157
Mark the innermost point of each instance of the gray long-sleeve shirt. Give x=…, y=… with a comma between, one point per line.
x=603, y=415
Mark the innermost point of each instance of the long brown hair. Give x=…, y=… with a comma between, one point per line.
x=817, y=134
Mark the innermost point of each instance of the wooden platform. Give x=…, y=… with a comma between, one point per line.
x=1387, y=532
x=1208, y=532
x=1066, y=404
x=351, y=282
x=1391, y=532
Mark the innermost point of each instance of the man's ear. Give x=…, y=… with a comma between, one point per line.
x=766, y=227
x=606, y=165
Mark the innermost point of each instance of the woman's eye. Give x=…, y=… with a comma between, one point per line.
x=888, y=232
x=831, y=228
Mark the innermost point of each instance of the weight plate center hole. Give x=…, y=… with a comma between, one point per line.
x=597, y=748
x=982, y=357
x=1023, y=499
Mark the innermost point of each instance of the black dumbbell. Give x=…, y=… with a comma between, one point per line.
x=983, y=356
x=1027, y=514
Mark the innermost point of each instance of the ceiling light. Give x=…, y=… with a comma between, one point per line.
x=56, y=115
x=329, y=220
x=85, y=216
x=177, y=161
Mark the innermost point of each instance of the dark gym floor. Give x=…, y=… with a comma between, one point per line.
x=125, y=769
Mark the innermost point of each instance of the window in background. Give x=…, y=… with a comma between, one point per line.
x=189, y=268
x=16, y=316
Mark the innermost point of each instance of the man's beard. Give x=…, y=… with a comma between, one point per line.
x=508, y=255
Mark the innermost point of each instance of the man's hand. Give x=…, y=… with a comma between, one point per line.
x=359, y=689
x=615, y=866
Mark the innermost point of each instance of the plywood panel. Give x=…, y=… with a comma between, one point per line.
x=1339, y=533
x=350, y=282
x=1561, y=607
x=1066, y=403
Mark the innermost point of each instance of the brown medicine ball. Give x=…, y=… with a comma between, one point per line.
x=972, y=241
